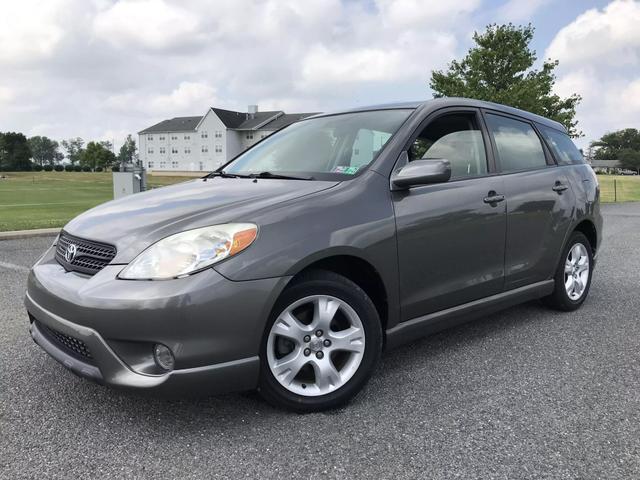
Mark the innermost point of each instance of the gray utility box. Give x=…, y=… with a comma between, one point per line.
x=128, y=183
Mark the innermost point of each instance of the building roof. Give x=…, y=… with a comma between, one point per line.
x=256, y=120
x=605, y=163
x=244, y=121
x=230, y=118
x=270, y=120
x=284, y=120
x=176, y=124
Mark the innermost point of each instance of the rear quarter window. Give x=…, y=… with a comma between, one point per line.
x=563, y=149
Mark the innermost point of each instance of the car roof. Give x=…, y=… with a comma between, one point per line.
x=438, y=103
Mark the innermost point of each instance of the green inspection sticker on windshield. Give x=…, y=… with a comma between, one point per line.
x=345, y=170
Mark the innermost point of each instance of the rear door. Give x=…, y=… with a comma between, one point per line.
x=451, y=235
x=539, y=200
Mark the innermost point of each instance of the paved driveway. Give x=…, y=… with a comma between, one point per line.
x=526, y=393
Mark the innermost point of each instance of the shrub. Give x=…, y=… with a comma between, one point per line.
x=37, y=167
x=58, y=168
x=77, y=168
x=48, y=168
x=115, y=168
x=68, y=168
x=86, y=168
x=98, y=169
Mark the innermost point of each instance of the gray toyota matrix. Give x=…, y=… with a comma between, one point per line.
x=289, y=269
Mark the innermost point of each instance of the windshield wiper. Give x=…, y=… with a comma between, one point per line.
x=255, y=175
x=223, y=175
x=278, y=176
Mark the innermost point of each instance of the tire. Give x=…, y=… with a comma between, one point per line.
x=303, y=339
x=561, y=298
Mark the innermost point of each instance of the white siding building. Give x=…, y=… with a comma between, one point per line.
x=193, y=144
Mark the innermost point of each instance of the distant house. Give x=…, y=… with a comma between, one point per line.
x=606, y=166
x=192, y=144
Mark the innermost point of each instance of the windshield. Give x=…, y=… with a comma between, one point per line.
x=337, y=146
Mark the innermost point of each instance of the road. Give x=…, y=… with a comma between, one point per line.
x=526, y=393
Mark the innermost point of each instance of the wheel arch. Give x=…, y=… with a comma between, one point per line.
x=588, y=228
x=354, y=266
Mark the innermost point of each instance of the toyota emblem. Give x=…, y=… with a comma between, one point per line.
x=70, y=253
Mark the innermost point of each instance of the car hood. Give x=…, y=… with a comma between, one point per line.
x=134, y=222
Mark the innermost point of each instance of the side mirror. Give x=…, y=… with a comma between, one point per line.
x=421, y=172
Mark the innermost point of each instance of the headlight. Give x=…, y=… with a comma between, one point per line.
x=189, y=252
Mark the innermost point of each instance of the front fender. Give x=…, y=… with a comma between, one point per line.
x=354, y=218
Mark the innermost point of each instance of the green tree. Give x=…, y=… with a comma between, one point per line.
x=630, y=159
x=14, y=152
x=500, y=69
x=127, y=153
x=58, y=157
x=74, y=148
x=97, y=155
x=44, y=151
x=622, y=145
x=612, y=143
x=106, y=144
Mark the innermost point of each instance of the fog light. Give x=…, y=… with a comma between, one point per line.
x=163, y=357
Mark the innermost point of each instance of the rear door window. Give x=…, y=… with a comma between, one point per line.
x=518, y=144
x=563, y=148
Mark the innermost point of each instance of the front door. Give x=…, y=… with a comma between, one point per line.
x=451, y=236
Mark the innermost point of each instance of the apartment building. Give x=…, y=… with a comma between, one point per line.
x=192, y=144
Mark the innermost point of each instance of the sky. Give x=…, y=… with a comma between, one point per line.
x=100, y=69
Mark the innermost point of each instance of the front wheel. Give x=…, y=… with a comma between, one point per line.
x=321, y=344
x=573, y=276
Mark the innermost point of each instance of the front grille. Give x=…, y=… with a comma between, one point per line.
x=71, y=345
x=90, y=257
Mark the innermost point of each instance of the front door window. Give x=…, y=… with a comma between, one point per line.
x=454, y=137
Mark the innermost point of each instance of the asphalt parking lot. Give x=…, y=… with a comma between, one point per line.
x=526, y=393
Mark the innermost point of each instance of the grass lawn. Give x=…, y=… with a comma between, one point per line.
x=627, y=187
x=50, y=199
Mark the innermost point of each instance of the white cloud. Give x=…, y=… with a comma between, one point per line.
x=402, y=61
x=520, y=10
x=6, y=94
x=30, y=30
x=610, y=36
x=150, y=24
x=112, y=135
x=599, y=55
x=188, y=97
x=631, y=97
x=421, y=14
x=83, y=68
x=323, y=66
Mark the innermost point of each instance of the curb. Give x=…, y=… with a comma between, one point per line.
x=39, y=232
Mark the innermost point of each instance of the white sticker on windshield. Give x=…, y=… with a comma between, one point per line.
x=345, y=170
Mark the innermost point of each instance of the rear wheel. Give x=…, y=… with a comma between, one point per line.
x=321, y=344
x=573, y=276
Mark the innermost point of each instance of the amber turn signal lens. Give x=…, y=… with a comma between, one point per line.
x=242, y=240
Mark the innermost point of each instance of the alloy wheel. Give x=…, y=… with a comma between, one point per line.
x=315, y=345
x=576, y=271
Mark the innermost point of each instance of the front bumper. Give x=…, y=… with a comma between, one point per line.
x=213, y=326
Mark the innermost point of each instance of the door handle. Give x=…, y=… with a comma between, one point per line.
x=559, y=187
x=493, y=197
